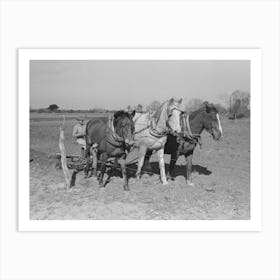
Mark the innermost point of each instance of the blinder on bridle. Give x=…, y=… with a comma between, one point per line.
x=113, y=137
x=170, y=110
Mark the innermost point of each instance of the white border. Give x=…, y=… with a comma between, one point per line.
x=254, y=55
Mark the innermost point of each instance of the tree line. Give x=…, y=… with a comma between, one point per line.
x=54, y=108
x=235, y=105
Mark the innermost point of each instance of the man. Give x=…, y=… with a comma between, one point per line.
x=79, y=132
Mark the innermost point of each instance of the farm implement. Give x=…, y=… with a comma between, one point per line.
x=73, y=162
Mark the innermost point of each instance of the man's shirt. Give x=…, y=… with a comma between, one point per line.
x=79, y=130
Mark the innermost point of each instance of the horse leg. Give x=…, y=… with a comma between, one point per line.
x=125, y=180
x=160, y=154
x=103, y=160
x=87, y=157
x=94, y=162
x=141, y=157
x=147, y=159
x=172, y=163
x=188, y=158
x=73, y=178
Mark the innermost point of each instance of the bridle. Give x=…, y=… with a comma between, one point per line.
x=169, y=114
x=112, y=137
x=210, y=129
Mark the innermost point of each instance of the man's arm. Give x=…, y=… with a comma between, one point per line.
x=78, y=132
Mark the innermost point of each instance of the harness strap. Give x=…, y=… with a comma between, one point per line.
x=191, y=137
x=153, y=123
x=154, y=132
x=152, y=129
x=188, y=126
x=146, y=127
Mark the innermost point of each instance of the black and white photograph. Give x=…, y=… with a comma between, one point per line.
x=140, y=139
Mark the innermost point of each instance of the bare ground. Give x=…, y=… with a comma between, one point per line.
x=221, y=174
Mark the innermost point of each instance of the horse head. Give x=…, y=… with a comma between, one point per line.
x=124, y=126
x=212, y=121
x=174, y=115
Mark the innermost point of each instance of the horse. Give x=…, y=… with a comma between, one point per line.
x=206, y=117
x=151, y=132
x=111, y=138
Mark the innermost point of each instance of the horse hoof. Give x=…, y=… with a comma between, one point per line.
x=101, y=185
x=126, y=188
x=165, y=183
x=189, y=183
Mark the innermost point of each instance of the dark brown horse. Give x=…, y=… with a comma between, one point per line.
x=112, y=138
x=206, y=117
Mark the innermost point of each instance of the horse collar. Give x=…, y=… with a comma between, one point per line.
x=153, y=131
x=192, y=138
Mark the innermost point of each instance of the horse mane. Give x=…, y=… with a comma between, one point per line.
x=158, y=112
x=120, y=114
x=204, y=106
x=196, y=112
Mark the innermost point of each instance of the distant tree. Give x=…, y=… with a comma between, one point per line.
x=53, y=108
x=225, y=99
x=193, y=104
x=243, y=96
x=235, y=108
x=153, y=106
x=239, y=105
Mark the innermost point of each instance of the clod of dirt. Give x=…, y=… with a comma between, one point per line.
x=210, y=190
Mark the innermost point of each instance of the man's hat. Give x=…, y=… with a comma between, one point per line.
x=80, y=118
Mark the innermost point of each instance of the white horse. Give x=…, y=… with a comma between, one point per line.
x=151, y=132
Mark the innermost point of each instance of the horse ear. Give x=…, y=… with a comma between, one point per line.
x=171, y=101
x=180, y=101
x=132, y=114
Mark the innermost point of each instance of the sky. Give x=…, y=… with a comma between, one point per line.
x=115, y=84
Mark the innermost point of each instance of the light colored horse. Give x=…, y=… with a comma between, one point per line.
x=151, y=132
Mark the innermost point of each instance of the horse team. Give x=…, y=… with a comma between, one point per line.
x=169, y=130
